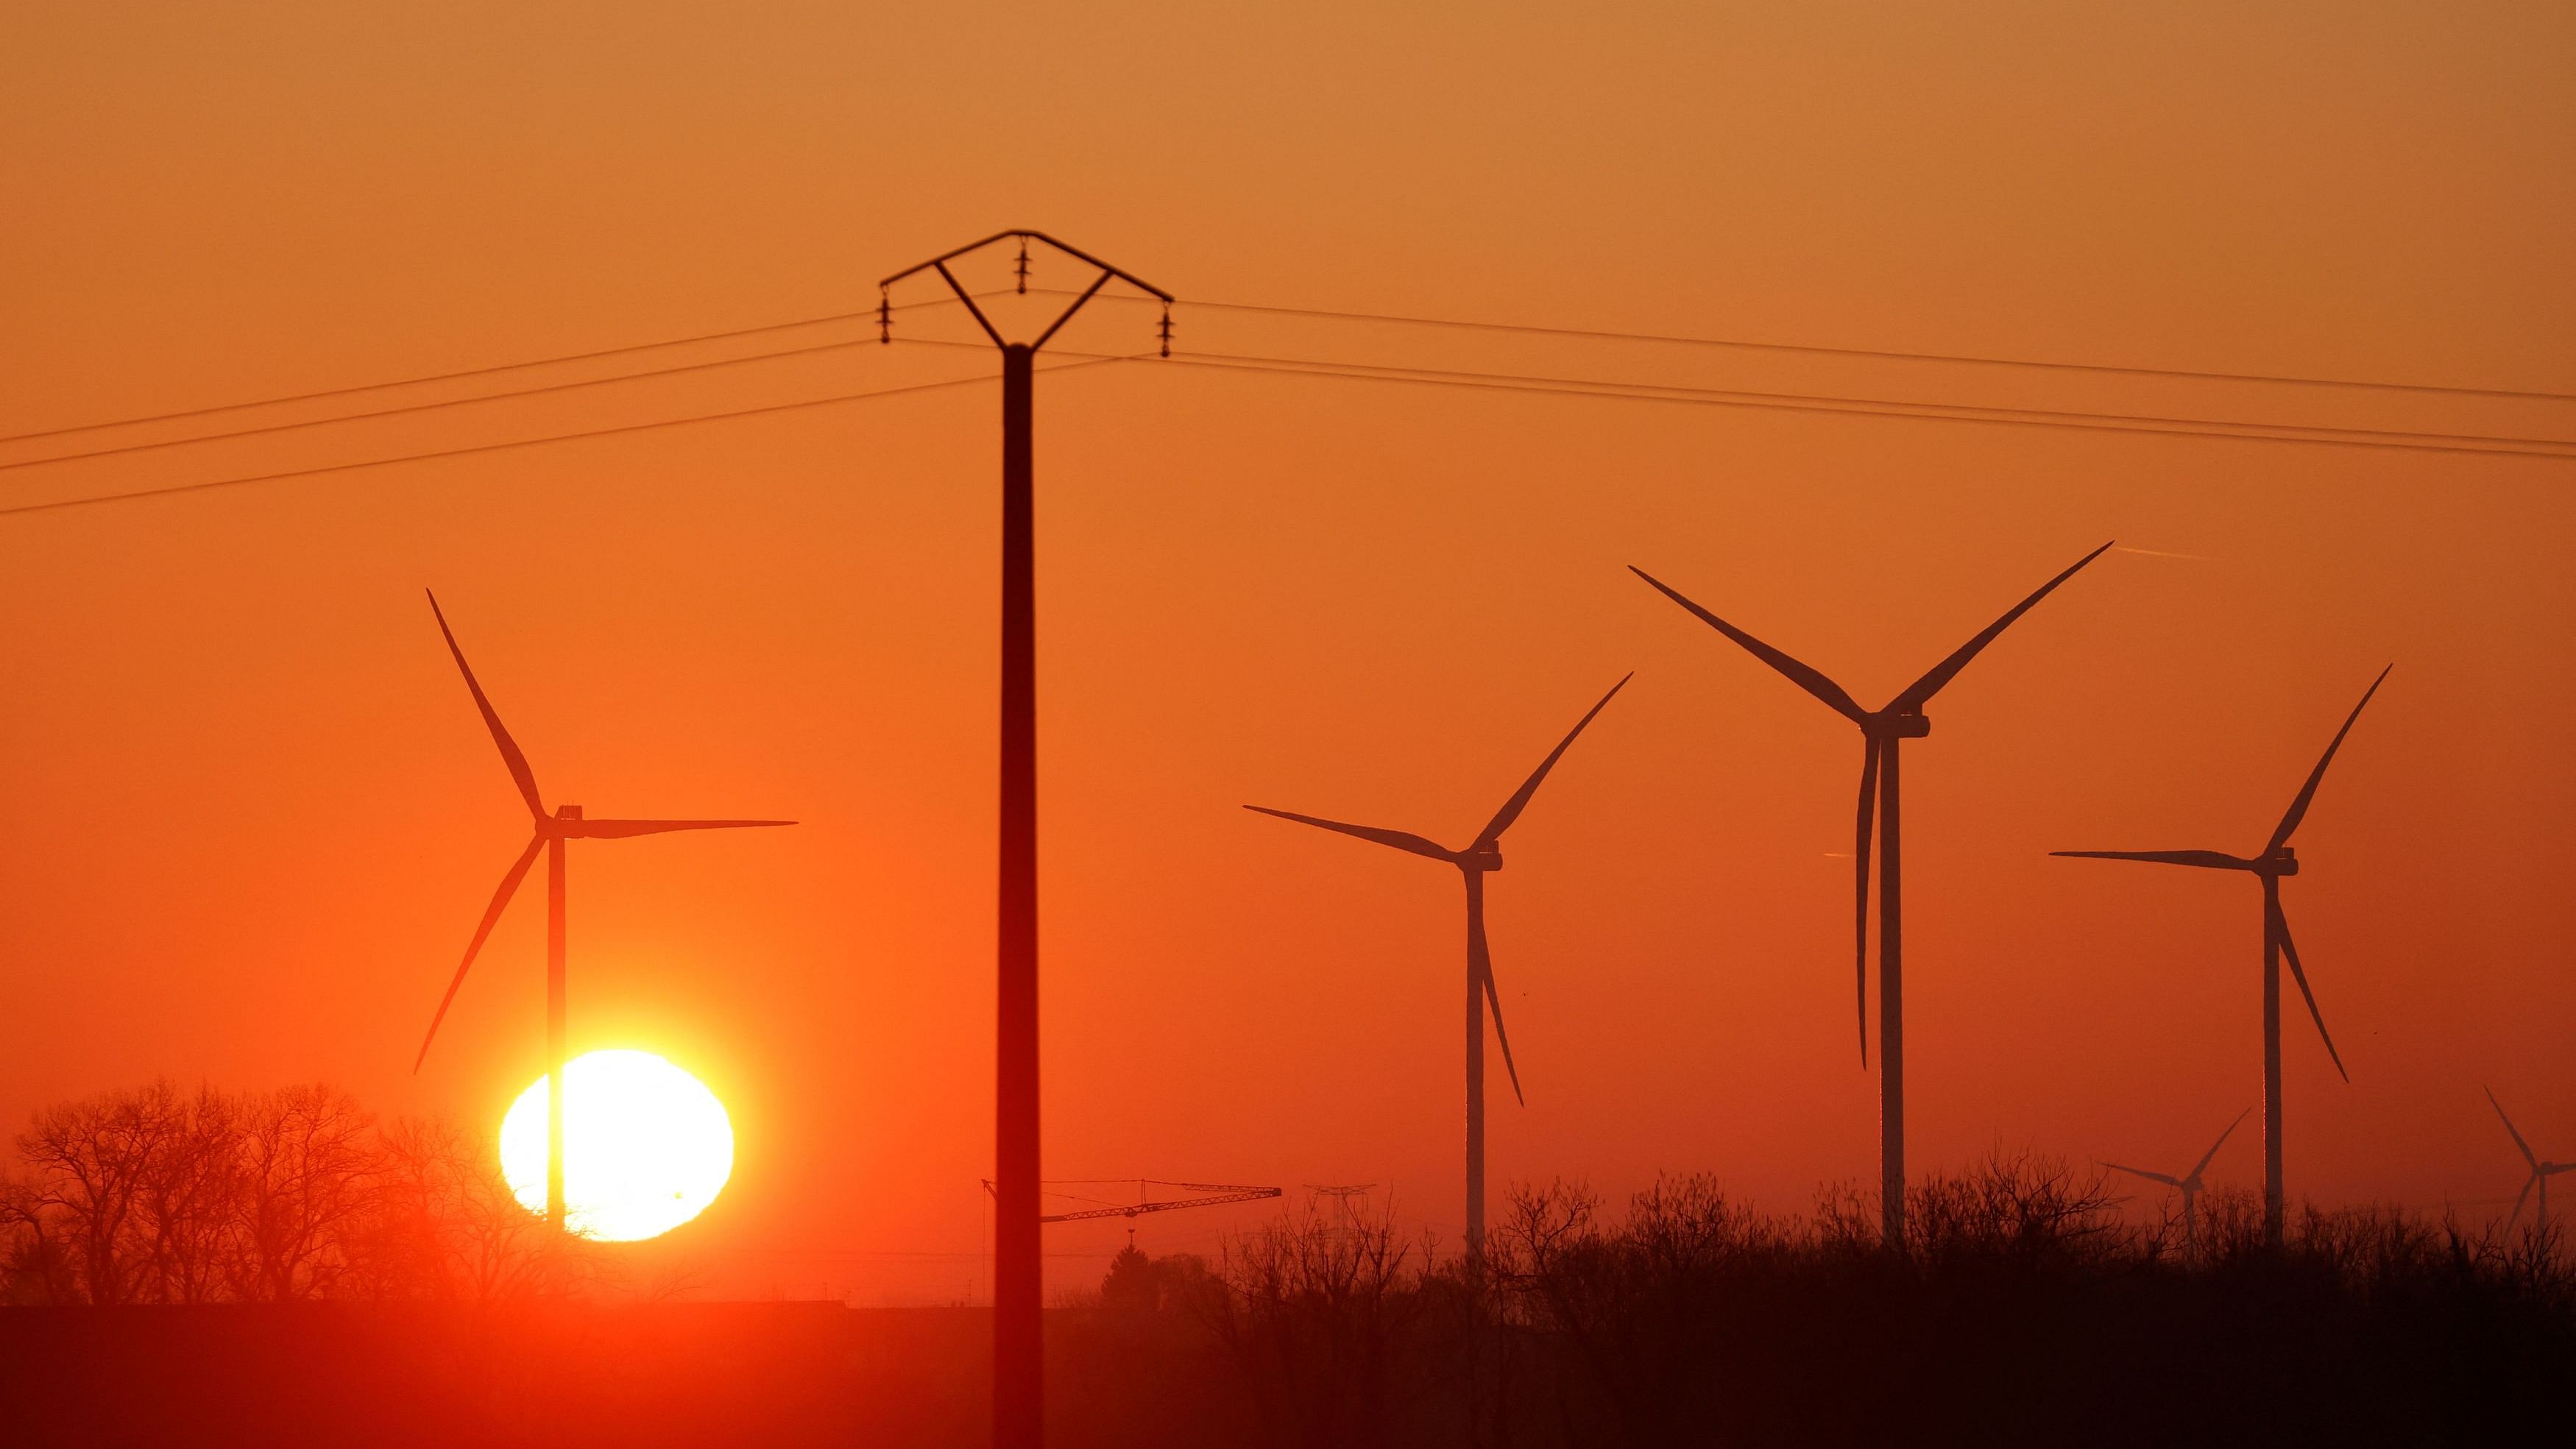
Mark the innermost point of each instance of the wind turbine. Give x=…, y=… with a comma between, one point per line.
x=2276, y=861
x=565, y=823
x=1480, y=857
x=1882, y=730
x=2541, y=1171
x=2189, y=1183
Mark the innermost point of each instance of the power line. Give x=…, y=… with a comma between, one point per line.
x=1457, y=324
x=465, y=373
x=1932, y=408
x=1876, y=354
x=1903, y=407
x=60, y=504
x=454, y=402
x=1892, y=408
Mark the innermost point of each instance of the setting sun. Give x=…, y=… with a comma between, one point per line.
x=646, y=1146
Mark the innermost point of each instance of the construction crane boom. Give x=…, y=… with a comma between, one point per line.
x=1210, y=1195
x=1215, y=1193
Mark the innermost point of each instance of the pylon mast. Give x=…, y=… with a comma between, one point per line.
x=1019, y=1382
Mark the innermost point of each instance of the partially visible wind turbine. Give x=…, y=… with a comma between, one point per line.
x=2276, y=861
x=1481, y=856
x=2189, y=1184
x=1881, y=730
x=2541, y=1171
x=566, y=823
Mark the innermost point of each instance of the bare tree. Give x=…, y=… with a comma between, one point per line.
x=92, y=1162
x=35, y=1263
x=307, y=1170
x=441, y=1223
x=184, y=1215
x=1316, y=1312
x=154, y=1195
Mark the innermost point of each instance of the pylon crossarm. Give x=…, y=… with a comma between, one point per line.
x=968, y=298
x=940, y=263
x=1077, y=253
x=1087, y=294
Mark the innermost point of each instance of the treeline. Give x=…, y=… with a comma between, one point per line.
x=164, y=1195
x=2029, y=1308
x=2032, y=1306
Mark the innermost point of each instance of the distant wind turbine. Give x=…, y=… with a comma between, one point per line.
x=1882, y=730
x=2276, y=861
x=2541, y=1171
x=1482, y=855
x=552, y=830
x=2189, y=1184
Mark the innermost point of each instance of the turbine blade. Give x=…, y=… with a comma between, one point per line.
x=1512, y=808
x=1503, y=1038
x=2205, y=859
x=621, y=829
x=2519, y=1199
x=510, y=879
x=2221, y=1142
x=2142, y=1172
x=2298, y=810
x=1400, y=839
x=1860, y=890
x=1480, y=961
x=1804, y=676
x=1930, y=684
x=2290, y=952
x=520, y=774
x=2527, y=1154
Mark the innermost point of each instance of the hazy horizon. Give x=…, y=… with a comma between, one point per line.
x=253, y=816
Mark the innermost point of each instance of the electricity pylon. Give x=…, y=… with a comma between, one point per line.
x=1019, y=1370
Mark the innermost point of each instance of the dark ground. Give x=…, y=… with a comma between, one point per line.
x=563, y=1377
x=2016, y=1367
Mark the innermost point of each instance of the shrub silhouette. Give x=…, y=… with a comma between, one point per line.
x=389, y=1263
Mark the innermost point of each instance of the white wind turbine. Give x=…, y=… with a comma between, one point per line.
x=1481, y=857
x=2189, y=1184
x=2541, y=1171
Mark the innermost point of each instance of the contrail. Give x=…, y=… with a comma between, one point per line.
x=2160, y=553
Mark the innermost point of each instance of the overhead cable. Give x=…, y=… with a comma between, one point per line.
x=61, y=504
x=486, y=371
x=1875, y=354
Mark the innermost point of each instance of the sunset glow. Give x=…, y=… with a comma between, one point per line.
x=1335, y=725
x=646, y=1146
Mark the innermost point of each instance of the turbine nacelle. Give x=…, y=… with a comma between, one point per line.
x=1910, y=724
x=2283, y=861
x=1901, y=718
x=1485, y=855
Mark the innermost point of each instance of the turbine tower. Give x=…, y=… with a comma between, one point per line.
x=1882, y=730
x=564, y=823
x=2276, y=860
x=2189, y=1184
x=2541, y=1171
x=1480, y=857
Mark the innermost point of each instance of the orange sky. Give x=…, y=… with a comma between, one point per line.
x=252, y=815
